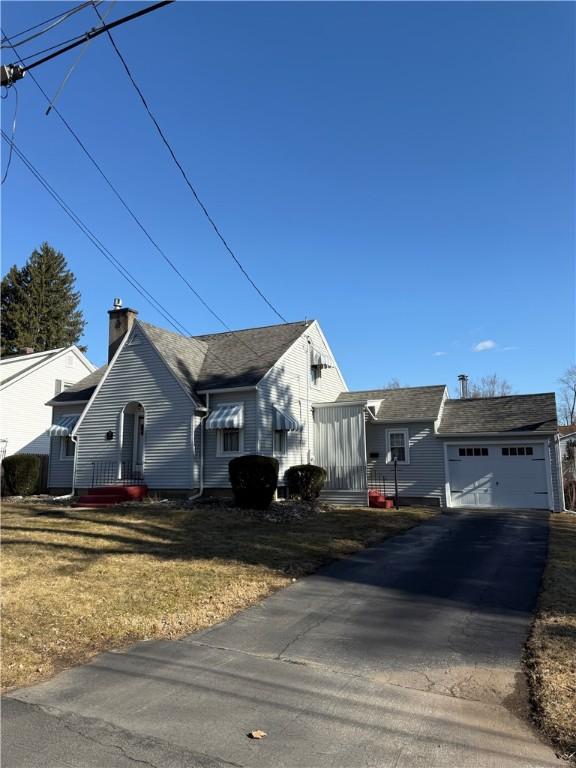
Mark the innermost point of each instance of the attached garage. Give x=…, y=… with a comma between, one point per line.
x=502, y=452
x=513, y=475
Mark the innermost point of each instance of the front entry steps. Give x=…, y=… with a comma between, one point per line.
x=110, y=495
x=378, y=500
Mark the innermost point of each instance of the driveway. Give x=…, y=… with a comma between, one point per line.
x=406, y=655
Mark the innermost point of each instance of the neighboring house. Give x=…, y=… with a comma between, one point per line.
x=27, y=381
x=566, y=434
x=171, y=411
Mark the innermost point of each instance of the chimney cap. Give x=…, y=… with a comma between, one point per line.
x=117, y=303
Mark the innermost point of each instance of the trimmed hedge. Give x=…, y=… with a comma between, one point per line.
x=254, y=480
x=305, y=481
x=22, y=474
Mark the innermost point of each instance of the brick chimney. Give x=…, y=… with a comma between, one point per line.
x=120, y=323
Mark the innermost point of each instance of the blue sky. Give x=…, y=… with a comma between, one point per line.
x=403, y=172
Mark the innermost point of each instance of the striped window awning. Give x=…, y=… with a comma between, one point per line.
x=320, y=359
x=226, y=417
x=281, y=421
x=63, y=426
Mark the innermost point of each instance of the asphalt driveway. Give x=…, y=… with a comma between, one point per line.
x=406, y=655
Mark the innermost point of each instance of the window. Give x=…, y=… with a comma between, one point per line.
x=398, y=446
x=67, y=448
x=315, y=373
x=473, y=451
x=230, y=440
x=518, y=450
x=280, y=437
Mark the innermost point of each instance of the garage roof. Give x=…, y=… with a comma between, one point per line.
x=514, y=413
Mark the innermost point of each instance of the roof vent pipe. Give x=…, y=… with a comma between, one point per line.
x=463, y=382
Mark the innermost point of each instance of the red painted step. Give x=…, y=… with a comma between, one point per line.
x=110, y=495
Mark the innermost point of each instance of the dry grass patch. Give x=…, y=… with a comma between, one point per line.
x=551, y=649
x=76, y=582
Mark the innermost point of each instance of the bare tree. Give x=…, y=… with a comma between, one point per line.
x=490, y=386
x=568, y=396
x=394, y=384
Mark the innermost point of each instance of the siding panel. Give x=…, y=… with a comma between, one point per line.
x=60, y=470
x=140, y=375
x=288, y=386
x=424, y=476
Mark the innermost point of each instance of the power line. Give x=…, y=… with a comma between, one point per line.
x=108, y=255
x=116, y=263
x=45, y=50
x=5, y=176
x=129, y=209
x=59, y=19
x=187, y=180
x=11, y=72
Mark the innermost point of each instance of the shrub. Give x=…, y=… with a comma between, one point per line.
x=254, y=480
x=22, y=474
x=305, y=481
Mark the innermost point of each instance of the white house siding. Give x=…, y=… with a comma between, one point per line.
x=60, y=470
x=140, y=375
x=423, y=477
x=25, y=415
x=287, y=386
x=215, y=467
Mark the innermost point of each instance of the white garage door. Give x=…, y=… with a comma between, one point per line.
x=498, y=476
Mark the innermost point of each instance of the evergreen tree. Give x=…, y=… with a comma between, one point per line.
x=39, y=304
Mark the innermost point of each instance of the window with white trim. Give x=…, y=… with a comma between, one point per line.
x=398, y=446
x=230, y=442
x=315, y=374
x=280, y=438
x=67, y=448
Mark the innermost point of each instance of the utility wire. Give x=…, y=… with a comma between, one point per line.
x=5, y=176
x=116, y=263
x=50, y=48
x=94, y=33
x=186, y=179
x=82, y=53
x=131, y=212
x=57, y=21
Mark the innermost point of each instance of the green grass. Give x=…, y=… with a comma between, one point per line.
x=76, y=582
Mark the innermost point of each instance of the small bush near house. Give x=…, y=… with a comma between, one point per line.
x=254, y=480
x=21, y=474
x=305, y=481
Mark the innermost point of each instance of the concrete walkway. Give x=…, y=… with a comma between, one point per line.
x=404, y=656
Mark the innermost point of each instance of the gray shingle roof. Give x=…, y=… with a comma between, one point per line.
x=515, y=413
x=230, y=361
x=213, y=361
x=83, y=389
x=421, y=403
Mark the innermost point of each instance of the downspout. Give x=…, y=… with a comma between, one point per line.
x=201, y=483
x=74, y=439
x=560, y=472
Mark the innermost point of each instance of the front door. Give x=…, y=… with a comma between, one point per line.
x=139, y=444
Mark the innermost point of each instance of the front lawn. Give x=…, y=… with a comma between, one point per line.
x=76, y=582
x=551, y=649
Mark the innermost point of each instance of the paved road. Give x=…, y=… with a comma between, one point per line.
x=404, y=656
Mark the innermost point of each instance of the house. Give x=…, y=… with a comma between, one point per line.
x=27, y=381
x=171, y=411
x=566, y=435
x=174, y=410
